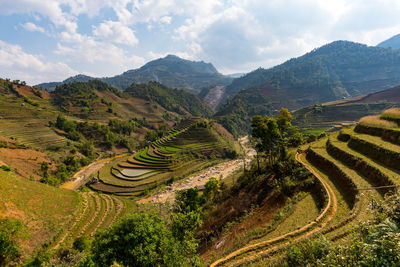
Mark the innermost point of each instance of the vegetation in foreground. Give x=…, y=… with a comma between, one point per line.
x=373, y=243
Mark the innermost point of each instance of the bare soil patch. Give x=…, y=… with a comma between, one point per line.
x=26, y=162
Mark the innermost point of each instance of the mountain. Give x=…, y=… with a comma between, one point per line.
x=337, y=70
x=171, y=71
x=90, y=96
x=393, y=42
x=50, y=86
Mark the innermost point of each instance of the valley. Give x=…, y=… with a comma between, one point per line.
x=176, y=164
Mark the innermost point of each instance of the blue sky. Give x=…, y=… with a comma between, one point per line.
x=50, y=40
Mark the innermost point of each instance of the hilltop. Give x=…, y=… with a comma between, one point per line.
x=337, y=70
x=171, y=71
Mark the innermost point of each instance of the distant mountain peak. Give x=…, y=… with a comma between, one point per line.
x=171, y=70
x=393, y=42
x=170, y=56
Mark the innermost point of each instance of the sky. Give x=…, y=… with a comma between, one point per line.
x=51, y=40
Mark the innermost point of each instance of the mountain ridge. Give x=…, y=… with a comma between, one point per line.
x=393, y=42
x=171, y=71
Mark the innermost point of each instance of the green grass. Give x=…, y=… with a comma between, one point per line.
x=100, y=213
x=360, y=181
x=147, y=159
x=317, y=132
x=80, y=227
x=343, y=208
x=305, y=211
x=392, y=174
x=378, y=141
x=44, y=210
x=27, y=123
x=148, y=164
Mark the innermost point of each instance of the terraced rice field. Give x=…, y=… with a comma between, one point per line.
x=28, y=124
x=97, y=211
x=354, y=176
x=160, y=161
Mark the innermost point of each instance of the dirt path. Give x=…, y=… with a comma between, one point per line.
x=300, y=234
x=82, y=176
x=221, y=170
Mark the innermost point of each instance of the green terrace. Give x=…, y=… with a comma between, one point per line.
x=185, y=150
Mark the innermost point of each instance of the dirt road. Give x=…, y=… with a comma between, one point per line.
x=221, y=170
x=82, y=176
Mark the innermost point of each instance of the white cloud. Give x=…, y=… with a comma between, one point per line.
x=114, y=31
x=166, y=19
x=16, y=64
x=29, y=26
x=100, y=55
x=236, y=35
x=50, y=9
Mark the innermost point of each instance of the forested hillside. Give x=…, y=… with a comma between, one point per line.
x=338, y=70
x=172, y=99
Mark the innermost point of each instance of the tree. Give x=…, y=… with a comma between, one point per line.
x=87, y=148
x=273, y=135
x=188, y=200
x=141, y=239
x=265, y=130
x=211, y=188
x=44, y=167
x=151, y=136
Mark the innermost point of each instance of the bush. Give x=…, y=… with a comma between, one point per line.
x=307, y=253
x=140, y=239
x=87, y=148
x=9, y=250
x=311, y=138
x=81, y=243
x=5, y=168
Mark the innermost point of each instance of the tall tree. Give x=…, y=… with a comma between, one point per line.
x=272, y=135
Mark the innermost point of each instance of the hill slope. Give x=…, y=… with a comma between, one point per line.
x=171, y=99
x=90, y=118
x=345, y=68
x=95, y=95
x=393, y=42
x=170, y=70
x=334, y=71
x=345, y=112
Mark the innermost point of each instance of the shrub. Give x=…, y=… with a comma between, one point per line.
x=9, y=250
x=87, y=148
x=140, y=239
x=81, y=243
x=5, y=168
x=307, y=253
x=311, y=138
